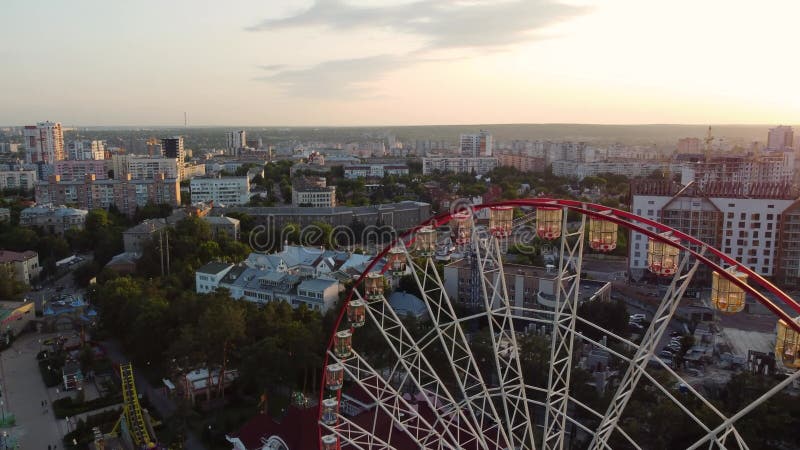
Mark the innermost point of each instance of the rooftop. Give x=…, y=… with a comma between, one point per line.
x=214, y=267
x=7, y=256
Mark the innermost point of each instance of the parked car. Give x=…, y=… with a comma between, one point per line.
x=666, y=353
x=637, y=318
x=676, y=334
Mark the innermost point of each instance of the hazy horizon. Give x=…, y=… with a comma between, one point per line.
x=399, y=62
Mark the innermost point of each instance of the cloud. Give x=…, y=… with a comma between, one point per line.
x=478, y=26
x=344, y=78
x=443, y=23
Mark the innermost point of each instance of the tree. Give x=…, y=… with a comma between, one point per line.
x=221, y=327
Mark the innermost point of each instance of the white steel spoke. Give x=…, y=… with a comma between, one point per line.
x=567, y=295
x=424, y=377
x=458, y=350
x=519, y=421
x=645, y=351
x=392, y=403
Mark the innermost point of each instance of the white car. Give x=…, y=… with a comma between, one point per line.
x=637, y=318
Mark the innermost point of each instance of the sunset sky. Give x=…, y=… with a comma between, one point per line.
x=392, y=62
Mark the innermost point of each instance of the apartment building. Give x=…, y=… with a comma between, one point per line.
x=54, y=220
x=375, y=171
x=24, y=265
x=476, y=145
x=78, y=169
x=18, y=179
x=521, y=159
x=44, y=142
x=223, y=191
x=125, y=193
x=744, y=223
x=629, y=168
x=86, y=150
x=479, y=166
x=144, y=167
x=752, y=169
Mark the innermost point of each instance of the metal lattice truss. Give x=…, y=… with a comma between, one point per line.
x=431, y=388
x=567, y=292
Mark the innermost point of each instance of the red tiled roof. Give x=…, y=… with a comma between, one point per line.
x=298, y=429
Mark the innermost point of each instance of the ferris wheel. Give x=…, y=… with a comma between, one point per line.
x=464, y=376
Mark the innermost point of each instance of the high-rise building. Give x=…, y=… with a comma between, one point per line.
x=44, y=142
x=235, y=141
x=474, y=145
x=173, y=148
x=780, y=138
x=85, y=149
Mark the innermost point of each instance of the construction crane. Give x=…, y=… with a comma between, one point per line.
x=709, y=140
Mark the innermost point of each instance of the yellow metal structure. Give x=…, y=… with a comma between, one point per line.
x=133, y=412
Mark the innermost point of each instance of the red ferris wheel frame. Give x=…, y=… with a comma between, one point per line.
x=619, y=217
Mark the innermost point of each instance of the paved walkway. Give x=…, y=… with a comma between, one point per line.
x=23, y=392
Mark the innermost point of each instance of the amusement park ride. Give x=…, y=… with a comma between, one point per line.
x=426, y=403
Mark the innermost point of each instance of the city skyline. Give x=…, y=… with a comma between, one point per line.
x=373, y=63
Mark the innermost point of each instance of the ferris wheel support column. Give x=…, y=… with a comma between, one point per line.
x=566, y=310
x=506, y=357
x=649, y=344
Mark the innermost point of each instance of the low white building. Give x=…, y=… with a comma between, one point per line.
x=227, y=191
x=208, y=277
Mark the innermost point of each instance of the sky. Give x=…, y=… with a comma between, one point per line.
x=399, y=62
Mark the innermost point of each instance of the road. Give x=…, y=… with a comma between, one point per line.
x=23, y=392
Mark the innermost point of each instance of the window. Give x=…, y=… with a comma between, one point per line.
x=741, y=224
x=756, y=243
x=767, y=234
x=770, y=216
x=731, y=205
x=766, y=252
x=637, y=254
x=730, y=215
x=755, y=216
x=771, y=206
x=742, y=234
x=742, y=216
x=727, y=242
x=649, y=212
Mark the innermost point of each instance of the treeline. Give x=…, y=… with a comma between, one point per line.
x=168, y=327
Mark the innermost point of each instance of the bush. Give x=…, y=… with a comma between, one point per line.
x=66, y=406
